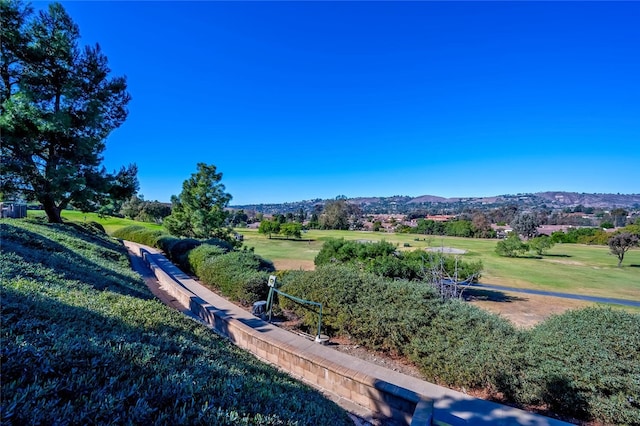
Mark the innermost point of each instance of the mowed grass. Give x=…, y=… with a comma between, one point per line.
x=569, y=268
x=110, y=224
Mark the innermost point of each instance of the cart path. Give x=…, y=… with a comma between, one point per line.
x=634, y=303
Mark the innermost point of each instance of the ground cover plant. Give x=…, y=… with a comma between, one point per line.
x=85, y=342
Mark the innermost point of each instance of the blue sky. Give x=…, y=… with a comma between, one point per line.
x=302, y=100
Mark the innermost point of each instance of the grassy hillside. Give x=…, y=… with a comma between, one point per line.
x=571, y=268
x=85, y=342
x=109, y=223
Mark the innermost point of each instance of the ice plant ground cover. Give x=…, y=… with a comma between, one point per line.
x=85, y=342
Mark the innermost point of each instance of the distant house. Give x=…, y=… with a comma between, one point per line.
x=13, y=209
x=550, y=229
x=440, y=217
x=501, y=231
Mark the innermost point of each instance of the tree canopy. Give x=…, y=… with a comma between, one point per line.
x=200, y=209
x=621, y=242
x=58, y=106
x=338, y=214
x=526, y=224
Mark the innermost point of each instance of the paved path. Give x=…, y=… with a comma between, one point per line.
x=557, y=294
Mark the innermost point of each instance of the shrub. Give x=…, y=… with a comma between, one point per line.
x=97, y=226
x=198, y=256
x=598, y=238
x=339, y=250
x=234, y=275
x=512, y=246
x=139, y=234
x=336, y=287
x=177, y=249
x=374, y=311
x=465, y=346
x=383, y=259
x=585, y=363
x=541, y=244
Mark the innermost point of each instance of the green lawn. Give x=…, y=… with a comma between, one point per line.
x=110, y=223
x=572, y=268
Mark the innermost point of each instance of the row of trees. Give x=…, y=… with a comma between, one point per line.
x=619, y=242
x=286, y=229
x=137, y=208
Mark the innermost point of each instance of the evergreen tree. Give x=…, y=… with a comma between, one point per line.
x=58, y=106
x=200, y=209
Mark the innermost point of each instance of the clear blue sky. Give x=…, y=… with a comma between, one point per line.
x=303, y=100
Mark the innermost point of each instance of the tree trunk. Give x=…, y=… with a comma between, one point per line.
x=53, y=211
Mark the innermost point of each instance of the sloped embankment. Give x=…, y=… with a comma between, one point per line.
x=85, y=342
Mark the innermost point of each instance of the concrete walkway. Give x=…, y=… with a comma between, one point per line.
x=449, y=407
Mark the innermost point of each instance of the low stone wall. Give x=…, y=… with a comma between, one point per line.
x=387, y=402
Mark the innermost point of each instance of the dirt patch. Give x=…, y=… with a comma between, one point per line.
x=294, y=265
x=523, y=310
x=565, y=262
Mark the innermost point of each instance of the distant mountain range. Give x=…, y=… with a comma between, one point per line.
x=402, y=204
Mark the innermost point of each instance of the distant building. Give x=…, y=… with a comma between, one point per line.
x=13, y=209
x=440, y=217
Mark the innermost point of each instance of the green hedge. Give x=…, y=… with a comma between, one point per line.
x=583, y=363
x=199, y=255
x=139, y=234
x=358, y=304
x=465, y=346
x=239, y=275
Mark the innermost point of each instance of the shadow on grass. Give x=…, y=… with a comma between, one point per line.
x=634, y=265
x=295, y=240
x=48, y=256
x=474, y=294
x=149, y=366
x=557, y=255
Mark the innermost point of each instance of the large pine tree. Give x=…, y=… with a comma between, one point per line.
x=58, y=106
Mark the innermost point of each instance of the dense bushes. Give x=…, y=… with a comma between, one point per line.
x=382, y=258
x=139, y=234
x=239, y=275
x=464, y=346
x=583, y=363
x=199, y=255
x=84, y=342
x=359, y=304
